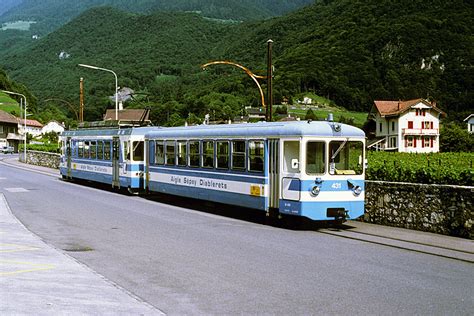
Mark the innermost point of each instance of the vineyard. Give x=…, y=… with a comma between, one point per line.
x=435, y=168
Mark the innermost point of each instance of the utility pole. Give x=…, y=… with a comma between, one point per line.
x=81, y=100
x=269, y=81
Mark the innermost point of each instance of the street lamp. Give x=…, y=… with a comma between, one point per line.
x=23, y=96
x=116, y=84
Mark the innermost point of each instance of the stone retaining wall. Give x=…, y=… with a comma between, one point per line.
x=41, y=158
x=442, y=209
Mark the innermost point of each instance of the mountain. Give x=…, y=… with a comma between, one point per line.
x=352, y=52
x=51, y=14
x=8, y=4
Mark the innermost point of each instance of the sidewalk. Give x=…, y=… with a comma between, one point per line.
x=37, y=279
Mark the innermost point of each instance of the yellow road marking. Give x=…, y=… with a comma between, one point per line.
x=16, y=248
x=36, y=267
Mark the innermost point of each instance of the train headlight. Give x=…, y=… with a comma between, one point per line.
x=315, y=191
x=357, y=190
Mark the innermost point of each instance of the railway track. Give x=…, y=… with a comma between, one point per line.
x=457, y=248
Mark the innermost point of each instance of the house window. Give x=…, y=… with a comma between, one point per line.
x=409, y=141
x=410, y=124
x=380, y=127
x=393, y=142
x=393, y=126
x=426, y=141
x=426, y=125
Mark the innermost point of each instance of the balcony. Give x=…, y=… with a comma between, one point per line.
x=420, y=131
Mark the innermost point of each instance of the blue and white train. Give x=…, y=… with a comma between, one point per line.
x=313, y=169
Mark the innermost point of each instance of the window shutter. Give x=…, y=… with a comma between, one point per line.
x=432, y=141
x=431, y=125
x=414, y=142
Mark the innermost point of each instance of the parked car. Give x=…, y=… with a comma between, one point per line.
x=7, y=149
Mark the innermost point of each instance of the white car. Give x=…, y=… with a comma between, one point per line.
x=7, y=149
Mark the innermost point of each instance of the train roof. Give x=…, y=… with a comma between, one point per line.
x=261, y=129
x=108, y=132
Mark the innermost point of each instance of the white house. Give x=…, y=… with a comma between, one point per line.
x=470, y=123
x=406, y=126
x=33, y=127
x=53, y=126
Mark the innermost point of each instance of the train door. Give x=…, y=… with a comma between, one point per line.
x=68, y=157
x=273, y=173
x=290, y=171
x=115, y=162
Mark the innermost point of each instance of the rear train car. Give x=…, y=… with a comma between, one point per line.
x=112, y=156
x=311, y=169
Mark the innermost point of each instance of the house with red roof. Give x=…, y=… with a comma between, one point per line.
x=406, y=126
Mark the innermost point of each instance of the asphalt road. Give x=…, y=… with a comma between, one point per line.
x=188, y=261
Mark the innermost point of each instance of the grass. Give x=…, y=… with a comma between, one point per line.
x=17, y=25
x=9, y=105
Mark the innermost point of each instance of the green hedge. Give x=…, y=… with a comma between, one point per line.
x=435, y=168
x=51, y=148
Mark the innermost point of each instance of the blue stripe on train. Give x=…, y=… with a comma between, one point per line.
x=133, y=183
x=318, y=210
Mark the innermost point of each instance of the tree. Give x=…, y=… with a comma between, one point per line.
x=310, y=115
x=454, y=138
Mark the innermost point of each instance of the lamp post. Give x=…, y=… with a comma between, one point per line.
x=23, y=96
x=116, y=84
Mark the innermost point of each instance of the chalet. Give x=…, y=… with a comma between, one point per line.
x=53, y=126
x=9, y=130
x=470, y=123
x=406, y=126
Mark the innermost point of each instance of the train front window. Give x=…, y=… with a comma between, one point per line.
x=346, y=157
x=315, y=157
x=138, y=151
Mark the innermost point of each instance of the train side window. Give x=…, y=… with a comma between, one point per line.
x=238, y=155
x=194, y=153
x=86, y=150
x=138, y=151
x=170, y=153
x=100, y=150
x=159, y=153
x=93, y=150
x=291, y=156
x=315, y=157
x=107, y=150
x=126, y=150
x=181, y=153
x=208, y=154
x=256, y=155
x=223, y=155
x=80, y=149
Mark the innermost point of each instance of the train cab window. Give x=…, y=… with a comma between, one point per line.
x=100, y=150
x=315, y=157
x=138, y=151
x=181, y=153
x=80, y=149
x=107, y=150
x=256, y=156
x=208, y=154
x=170, y=153
x=291, y=156
x=159, y=153
x=238, y=155
x=346, y=157
x=223, y=155
x=194, y=153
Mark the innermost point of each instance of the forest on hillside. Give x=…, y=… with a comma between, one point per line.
x=351, y=52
